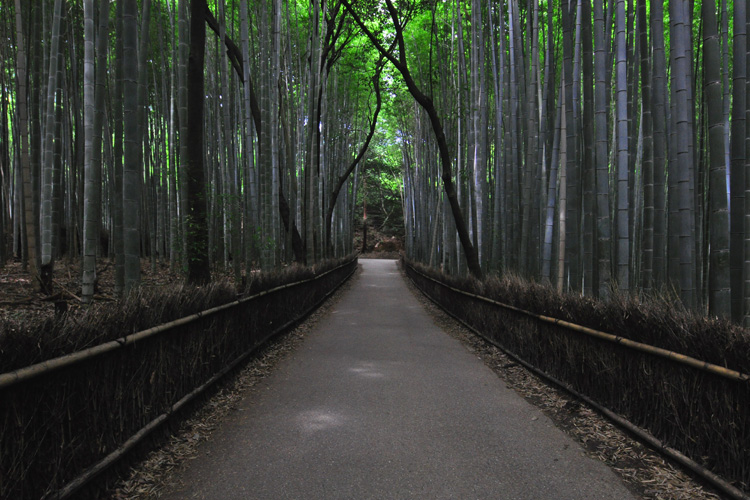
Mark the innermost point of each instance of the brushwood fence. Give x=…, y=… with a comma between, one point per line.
x=65, y=420
x=699, y=408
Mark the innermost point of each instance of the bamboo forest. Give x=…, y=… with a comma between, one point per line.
x=598, y=146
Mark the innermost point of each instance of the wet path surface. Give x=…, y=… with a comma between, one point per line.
x=378, y=402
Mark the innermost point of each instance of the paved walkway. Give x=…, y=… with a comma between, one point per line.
x=380, y=403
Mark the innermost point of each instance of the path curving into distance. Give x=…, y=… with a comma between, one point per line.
x=379, y=403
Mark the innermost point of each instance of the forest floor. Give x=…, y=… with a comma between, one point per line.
x=20, y=298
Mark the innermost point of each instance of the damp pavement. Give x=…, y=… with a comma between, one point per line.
x=379, y=403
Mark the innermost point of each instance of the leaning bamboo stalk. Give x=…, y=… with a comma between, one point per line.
x=638, y=346
x=29, y=372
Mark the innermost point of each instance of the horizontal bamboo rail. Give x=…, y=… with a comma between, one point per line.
x=631, y=344
x=76, y=484
x=717, y=481
x=12, y=378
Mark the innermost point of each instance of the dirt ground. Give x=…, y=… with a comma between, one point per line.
x=21, y=299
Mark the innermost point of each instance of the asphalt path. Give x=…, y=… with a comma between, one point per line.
x=379, y=403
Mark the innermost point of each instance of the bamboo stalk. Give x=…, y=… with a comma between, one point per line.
x=638, y=346
x=10, y=379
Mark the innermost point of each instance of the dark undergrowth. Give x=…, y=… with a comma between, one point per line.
x=56, y=425
x=23, y=343
x=658, y=321
x=703, y=415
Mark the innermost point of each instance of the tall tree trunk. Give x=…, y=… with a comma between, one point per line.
x=93, y=138
x=746, y=229
x=22, y=109
x=588, y=145
x=498, y=73
x=562, y=212
x=276, y=181
x=719, y=302
x=549, y=224
x=479, y=123
x=231, y=200
x=48, y=163
x=572, y=170
x=92, y=177
x=623, y=199
x=737, y=165
x=183, y=52
x=534, y=167
x=36, y=132
x=601, y=116
x=117, y=205
x=515, y=162
x=680, y=56
x=648, y=156
x=313, y=152
x=199, y=271
x=131, y=198
x=659, y=116
x=249, y=175
x=265, y=165
x=57, y=161
x=174, y=120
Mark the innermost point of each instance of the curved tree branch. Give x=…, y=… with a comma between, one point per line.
x=362, y=151
x=472, y=258
x=235, y=57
